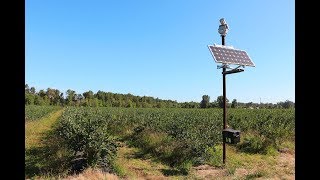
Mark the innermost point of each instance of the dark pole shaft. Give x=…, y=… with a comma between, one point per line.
x=224, y=104
x=223, y=42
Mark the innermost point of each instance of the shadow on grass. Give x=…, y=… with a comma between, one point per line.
x=142, y=154
x=49, y=159
x=171, y=171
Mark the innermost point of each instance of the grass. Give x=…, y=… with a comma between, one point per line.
x=255, y=175
x=130, y=164
x=133, y=163
x=240, y=165
x=44, y=156
x=35, y=130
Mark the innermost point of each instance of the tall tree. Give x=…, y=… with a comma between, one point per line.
x=56, y=99
x=220, y=101
x=205, y=101
x=70, y=97
x=61, y=99
x=29, y=98
x=51, y=95
x=42, y=93
x=288, y=104
x=88, y=95
x=78, y=99
x=26, y=88
x=33, y=90
x=234, y=103
x=249, y=105
x=38, y=100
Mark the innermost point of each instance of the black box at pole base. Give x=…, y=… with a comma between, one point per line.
x=231, y=136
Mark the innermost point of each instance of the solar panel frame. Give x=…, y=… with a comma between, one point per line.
x=228, y=55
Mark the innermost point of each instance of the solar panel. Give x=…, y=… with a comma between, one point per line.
x=228, y=55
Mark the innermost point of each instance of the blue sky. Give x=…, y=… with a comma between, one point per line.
x=159, y=48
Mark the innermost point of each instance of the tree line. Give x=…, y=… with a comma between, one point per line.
x=108, y=99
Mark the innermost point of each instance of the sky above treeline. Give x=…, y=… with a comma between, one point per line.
x=159, y=48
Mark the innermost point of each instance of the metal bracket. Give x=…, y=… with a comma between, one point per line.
x=228, y=67
x=223, y=66
x=233, y=71
x=240, y=66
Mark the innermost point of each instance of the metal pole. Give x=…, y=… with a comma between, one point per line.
x=224, y=104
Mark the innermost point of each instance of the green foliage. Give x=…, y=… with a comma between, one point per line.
x=213, y=156
x=119, y=170
x=255, y=175
x=49, y=97
x=205, y=101
x=34, y=112
x=271, y=150
x=234, y=103
x=29, y=99
x=176, y=136
x=40, y=101
x=185, y=167
x=276, y=125
x=287, y=104
x=231, y=170
x=109, y=99
x=85, y=130
x=253, y=143
x=70, y=97
x=221, y=102
x=88, y=95
x=52, y=158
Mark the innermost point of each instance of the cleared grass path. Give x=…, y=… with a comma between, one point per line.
x=34, y=130
x=44, y=158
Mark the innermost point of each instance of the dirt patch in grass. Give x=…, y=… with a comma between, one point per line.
x=282, y=168
x=285, y=166
x=92, y=174
x=209, y=172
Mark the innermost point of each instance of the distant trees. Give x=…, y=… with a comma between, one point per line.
x=190, y=105
x=29, y=99
x=234, y=103
x=48, y=97
x=100, y=99
x=52, y=96
x=32, y=90
x=88, y=95
x=221, y=102
x=26, y=88
x=249, y=105
x=287, y=104
x=214, y=104
x=70, y=97
x=205, y=101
